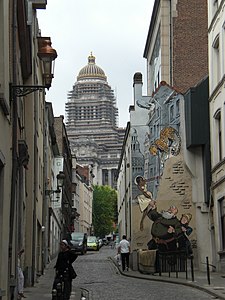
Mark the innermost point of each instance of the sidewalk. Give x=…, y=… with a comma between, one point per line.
x=216, y=287
x=43, y=288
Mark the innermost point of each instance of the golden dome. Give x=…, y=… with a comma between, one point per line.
x=91, y=70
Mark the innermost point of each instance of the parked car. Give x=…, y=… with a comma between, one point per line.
x=78, y=242
x=92, y=243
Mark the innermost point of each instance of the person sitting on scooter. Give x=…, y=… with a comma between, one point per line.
x=64, y=269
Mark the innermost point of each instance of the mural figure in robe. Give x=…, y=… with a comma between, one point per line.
x=168, y=232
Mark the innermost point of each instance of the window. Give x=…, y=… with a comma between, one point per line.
x=216, y=59
x=222, y=222
x=171, y=112
x=151, y=130
x=151, y=172
x=178, y=107
x=215, y=3
x=158, y=112
x=218, y=135
x=214, y=7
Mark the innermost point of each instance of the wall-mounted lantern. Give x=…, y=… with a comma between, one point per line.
x=47, y=55
x=60, y=183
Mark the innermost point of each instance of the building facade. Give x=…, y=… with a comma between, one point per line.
x=82, y=197
x=5, y=154
x=174, y=65
x=172, y=56
x=91, y=124
x=216, y=106
x=52, y=206
x=86, y=198
x=169, y=34
x=66, y=155
x=131, y=165
x=172, y=184
x=22, y=105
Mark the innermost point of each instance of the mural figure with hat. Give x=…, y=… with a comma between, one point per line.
x=183, y=240
x=64, y=269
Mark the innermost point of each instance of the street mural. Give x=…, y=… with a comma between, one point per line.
x=168, y=232
x=167, y=145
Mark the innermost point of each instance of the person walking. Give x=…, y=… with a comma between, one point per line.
x=65, y=272
x=124, y=251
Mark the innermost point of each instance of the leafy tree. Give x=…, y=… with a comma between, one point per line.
x=104, y=209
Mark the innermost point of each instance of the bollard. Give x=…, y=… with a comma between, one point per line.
x=208, y=272
x=192, y=270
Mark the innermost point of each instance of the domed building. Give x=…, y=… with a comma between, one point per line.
x=91, y=122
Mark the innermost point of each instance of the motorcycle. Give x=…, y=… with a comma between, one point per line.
x=62, y=286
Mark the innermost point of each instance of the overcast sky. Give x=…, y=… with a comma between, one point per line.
x=115, y=31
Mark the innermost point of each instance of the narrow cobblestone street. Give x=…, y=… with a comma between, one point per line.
x=101, y=278
x=98, y=277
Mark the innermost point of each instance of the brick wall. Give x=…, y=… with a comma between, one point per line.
x=190, y=43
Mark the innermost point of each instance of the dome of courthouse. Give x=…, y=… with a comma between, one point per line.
x=91, y=70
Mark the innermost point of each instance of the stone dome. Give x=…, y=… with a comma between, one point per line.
x=91, y=70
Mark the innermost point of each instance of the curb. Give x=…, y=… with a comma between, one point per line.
x=167, y=280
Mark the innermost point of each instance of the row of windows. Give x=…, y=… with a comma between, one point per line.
x=90, y=109
x=174, y=113
x=137, y=170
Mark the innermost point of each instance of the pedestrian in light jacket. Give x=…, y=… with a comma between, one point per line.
x=124, y=250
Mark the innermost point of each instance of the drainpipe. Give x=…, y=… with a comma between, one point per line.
x=45, y=215
x=130, y=217
x=13, y=200
x=35, y=191
x=125, y=193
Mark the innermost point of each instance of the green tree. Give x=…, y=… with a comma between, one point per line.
x=104, y=209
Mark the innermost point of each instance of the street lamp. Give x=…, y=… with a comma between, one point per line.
x=47, y=55
x=60, y=179
x=60, y=183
